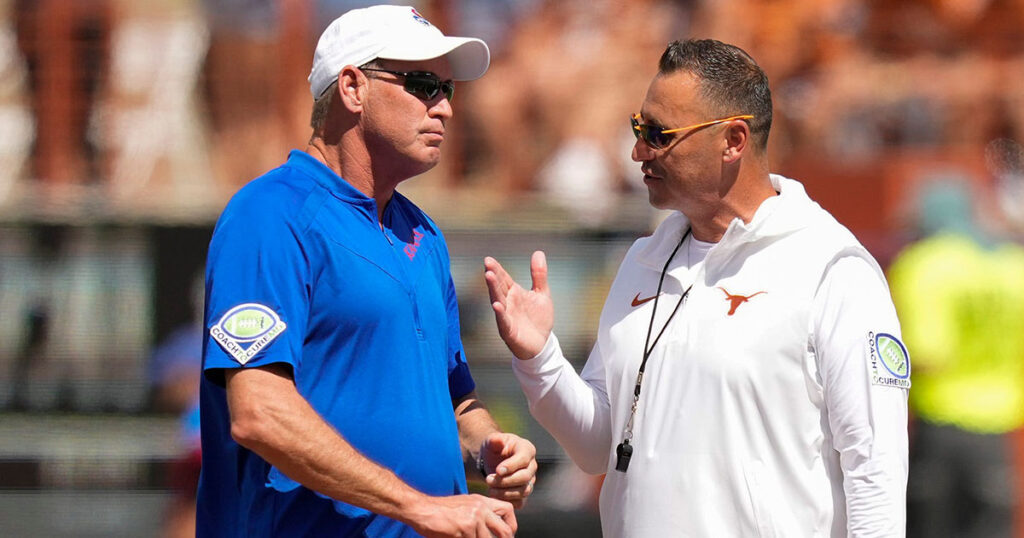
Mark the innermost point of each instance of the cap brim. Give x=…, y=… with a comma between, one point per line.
x=469, y=57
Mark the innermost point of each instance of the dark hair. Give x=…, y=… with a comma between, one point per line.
x=730, y=81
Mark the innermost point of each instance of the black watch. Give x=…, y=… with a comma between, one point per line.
x=480, y=465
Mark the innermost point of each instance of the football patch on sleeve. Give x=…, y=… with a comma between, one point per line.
x=246, y=329
x=890, y=362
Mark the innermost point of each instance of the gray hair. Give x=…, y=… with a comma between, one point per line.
x=322, y=105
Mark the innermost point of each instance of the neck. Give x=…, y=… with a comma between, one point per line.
x=354, y=167
x=739, y=200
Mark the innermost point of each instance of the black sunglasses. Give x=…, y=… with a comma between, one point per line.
x=422, y=84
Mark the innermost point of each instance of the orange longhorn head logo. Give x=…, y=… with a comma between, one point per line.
x=736, y=300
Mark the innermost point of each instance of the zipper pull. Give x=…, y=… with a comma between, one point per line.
x=381, y=224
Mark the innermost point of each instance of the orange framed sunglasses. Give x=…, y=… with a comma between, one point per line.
x=658, y=137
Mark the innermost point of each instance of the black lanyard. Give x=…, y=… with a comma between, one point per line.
x=624, y=451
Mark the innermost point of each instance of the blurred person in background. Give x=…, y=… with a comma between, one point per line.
x=175, y=377
x=769, y=397
x=174, y=370
x=66, y=46
x=336, y=399
x=576, y=44
x=254, y=69
x=959, y=292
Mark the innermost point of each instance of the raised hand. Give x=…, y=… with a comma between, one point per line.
x=524, y=317
x=511, y=464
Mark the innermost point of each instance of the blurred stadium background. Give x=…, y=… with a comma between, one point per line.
x=125, y=125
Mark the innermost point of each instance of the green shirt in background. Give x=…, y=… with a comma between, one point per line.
x=961, y=306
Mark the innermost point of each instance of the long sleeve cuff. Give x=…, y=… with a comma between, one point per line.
x=535, y=365
x=538, y=374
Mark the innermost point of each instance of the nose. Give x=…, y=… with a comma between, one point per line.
x=641, y=151
x=441, y=109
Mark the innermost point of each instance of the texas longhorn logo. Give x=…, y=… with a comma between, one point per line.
x=736, y=300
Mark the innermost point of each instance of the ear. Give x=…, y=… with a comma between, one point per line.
x=352, y=87
x=737, y=138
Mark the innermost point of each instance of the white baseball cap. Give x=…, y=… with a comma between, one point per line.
x=391, y=33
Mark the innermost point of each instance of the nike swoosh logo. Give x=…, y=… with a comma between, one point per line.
x=637, y=301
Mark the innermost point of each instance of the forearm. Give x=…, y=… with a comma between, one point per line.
x=573, y=410
x=875, y=466
x=270, y=418
x=875, y=502
x=475, y=423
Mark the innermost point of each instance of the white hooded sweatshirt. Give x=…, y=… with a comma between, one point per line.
x=775, y=403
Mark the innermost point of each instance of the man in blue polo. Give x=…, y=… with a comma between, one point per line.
x=336, y=399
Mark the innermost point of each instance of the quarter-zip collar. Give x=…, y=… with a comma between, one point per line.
x=335, y=184
x=775, y=217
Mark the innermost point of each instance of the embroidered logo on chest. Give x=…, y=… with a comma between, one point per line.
x=736, y=300
x=637, y=301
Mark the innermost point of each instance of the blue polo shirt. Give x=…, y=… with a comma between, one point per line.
x=300, y=272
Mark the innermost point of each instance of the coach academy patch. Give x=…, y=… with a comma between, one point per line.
x=246, y=329
x=890, y=362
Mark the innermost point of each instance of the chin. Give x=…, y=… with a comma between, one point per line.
x=430, y=155
x=654, y=199
x=430, y=163
x=418, y=162
x=425, y=166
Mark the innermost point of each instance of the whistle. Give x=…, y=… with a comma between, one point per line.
x=623, y=452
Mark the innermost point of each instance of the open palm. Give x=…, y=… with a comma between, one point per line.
x=524, y=316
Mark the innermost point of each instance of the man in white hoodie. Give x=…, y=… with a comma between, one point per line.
x=748, y=377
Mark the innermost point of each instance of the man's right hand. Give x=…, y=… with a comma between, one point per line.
x=525, y=317
x=468, y=516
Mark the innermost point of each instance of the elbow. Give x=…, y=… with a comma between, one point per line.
x=247, y=428
x=260, y=402
x=242, y=432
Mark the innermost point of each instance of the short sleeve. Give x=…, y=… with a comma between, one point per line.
x=460, y=382
x=257, y=288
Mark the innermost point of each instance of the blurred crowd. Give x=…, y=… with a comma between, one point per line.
x=170, y=105
x=162, y=109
